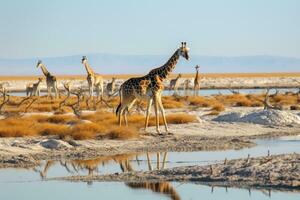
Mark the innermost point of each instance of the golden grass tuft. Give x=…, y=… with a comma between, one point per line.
x=218, y=107
x=199, y=101
x=53, y=129
x=122, y=133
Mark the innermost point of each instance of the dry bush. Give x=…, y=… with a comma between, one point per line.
x=89, y=127
x=168, y=104
x=83, y=135
x=218, y=107
x=122, y=132
x=17, y=127
x=178, y=118
x=284, y=99
x=53, y=129
x=199, y=101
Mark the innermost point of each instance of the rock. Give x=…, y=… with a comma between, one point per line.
x=54, y=144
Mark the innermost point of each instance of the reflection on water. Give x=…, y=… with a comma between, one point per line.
x=25, y=180
x=163, y=188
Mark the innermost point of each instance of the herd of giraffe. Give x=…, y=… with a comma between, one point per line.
x=149, y=86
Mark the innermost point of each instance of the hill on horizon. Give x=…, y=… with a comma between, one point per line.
x=138, y=64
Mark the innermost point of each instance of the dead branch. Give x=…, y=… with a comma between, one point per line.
x=267, y=105
x=5, y=100
x=30, y=104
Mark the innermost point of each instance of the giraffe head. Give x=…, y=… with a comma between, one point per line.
x=179, y=75
x=184, y=51
x=84, y=59
x=144, y=86
x=38, y=63
x=197, y=67
x=40, y=79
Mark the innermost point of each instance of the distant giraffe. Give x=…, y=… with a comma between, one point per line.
x=34, y=89
x=93, y=79
x=128, y=96
x=51, y=80
x=174, y=83
x=197, y=81
x=186, y=86
x=110, y=87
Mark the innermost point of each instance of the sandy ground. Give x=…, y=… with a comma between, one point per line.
x=203, y=135
x=280, y=171
x=206, y=82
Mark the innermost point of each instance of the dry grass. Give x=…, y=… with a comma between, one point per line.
x=122, y=132
x=218, y=107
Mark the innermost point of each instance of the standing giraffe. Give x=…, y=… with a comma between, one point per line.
x=34, y=89
x=128, y=96
x=93, y=79
x=51, y=80
x=110, y=87
x=197, y=81
x=174, y=83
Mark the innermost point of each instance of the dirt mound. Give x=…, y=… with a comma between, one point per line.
x=264, y=117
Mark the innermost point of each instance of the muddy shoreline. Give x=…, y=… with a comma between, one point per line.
x=277, y=172
x=27, y=152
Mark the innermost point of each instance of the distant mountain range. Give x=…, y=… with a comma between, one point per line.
x=137, y=64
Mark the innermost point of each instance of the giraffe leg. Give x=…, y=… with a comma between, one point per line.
x=148, y=112
x=102, y=90
x=55, y=90
x=125, y=116
x=126, y=111
x=91, y=88
x=119, y=116
x=48, y=90
x=162, y=110
x=156, y=114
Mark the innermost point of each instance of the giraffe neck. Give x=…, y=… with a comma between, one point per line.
x=197, y=74
x=44, y=70
x=88, y=68
x=167, y=68
x=177, y=78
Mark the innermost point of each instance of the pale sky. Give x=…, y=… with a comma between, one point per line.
x=44, y=28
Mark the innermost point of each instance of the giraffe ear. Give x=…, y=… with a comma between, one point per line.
x=182, y=44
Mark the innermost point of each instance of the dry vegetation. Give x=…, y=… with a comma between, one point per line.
x=103, y=123
x=91, y=126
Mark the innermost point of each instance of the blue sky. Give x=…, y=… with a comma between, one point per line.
x=39, y=28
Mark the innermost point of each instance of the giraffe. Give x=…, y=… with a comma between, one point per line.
x=197, y=81
x=34, y=89
x=186, y=86
x=51, y=80
x=174, y=83
x=128, y=96
x=110, y=87
x=93, y=79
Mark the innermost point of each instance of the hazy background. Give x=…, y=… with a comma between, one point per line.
x=132, y=36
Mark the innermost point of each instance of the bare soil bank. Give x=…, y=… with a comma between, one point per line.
x=278, y=172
